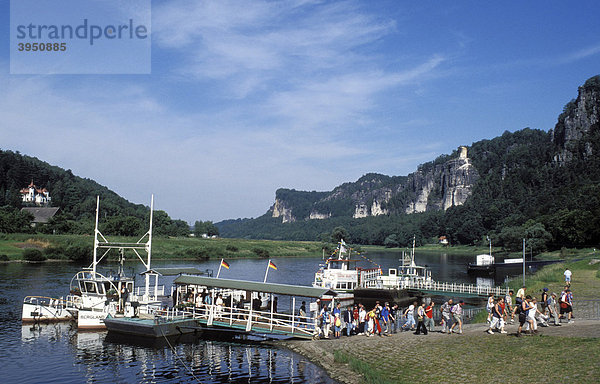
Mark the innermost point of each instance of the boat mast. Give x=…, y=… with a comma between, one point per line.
x=96, y=233
x=412, y=255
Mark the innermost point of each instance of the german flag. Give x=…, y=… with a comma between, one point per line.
x=224, y=264
x=272, y=265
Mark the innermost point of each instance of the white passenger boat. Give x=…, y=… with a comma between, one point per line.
x=340, y=273
x=397, y=285
x=93, y=295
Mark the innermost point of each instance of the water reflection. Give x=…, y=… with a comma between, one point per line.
x=103, y=357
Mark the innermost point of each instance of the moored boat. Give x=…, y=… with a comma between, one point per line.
x=168, y=323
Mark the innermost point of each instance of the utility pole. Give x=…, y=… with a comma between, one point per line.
x=523, y=262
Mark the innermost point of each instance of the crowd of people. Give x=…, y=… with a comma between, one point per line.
x=383, y=320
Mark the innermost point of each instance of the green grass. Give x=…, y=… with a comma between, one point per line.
x=180, y=248
x=477, y=359
x=370, y=374
x=551, y=276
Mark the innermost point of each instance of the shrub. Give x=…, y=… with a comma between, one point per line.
x=3, y=257
x=56, y=252
x=232, y=248
x=32, y=254
x=261, y=252
x=80, y=252
x=204, y=253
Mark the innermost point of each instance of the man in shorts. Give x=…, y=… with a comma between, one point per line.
x=445, y=308
x=456, y=311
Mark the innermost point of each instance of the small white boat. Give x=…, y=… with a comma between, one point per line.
x=93, y=295
x=47, y=309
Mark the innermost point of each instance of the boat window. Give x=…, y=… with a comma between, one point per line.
x=90, y=287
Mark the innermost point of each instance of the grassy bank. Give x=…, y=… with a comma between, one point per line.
x=585, y=281
x=474, y=358
x=13, y=245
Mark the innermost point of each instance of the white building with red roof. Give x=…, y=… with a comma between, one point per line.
x=35, y=195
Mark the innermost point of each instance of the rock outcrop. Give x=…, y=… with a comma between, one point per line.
x=438, y=185
x=280, y=209
x=579, y=118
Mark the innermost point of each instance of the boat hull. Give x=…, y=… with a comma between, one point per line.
x=368, y=296
x=33, y=313
x=152, y=328
x=92, y=320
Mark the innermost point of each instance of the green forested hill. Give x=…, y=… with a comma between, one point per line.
x=544, y=186
x=76, y=198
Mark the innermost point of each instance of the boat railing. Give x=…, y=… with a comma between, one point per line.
x=152, y=291
x=452, y=287
x=252, y=320
x=70, y=302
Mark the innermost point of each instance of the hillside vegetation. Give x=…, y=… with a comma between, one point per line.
x=543, y=186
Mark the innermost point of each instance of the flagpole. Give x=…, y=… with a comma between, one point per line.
x=220, y=266
x=267, y=271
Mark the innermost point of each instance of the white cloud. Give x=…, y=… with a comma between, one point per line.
x=300, y=84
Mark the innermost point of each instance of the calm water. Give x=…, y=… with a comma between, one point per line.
x=57, y=353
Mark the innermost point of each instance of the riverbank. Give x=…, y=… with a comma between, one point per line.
x=474, y=356
x=179, y=248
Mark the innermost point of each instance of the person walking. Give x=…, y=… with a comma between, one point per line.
x=410, y=317
x=394, y=318
x=429, y=323
x=509, y=306
x=445, y=308
x=362, y=319
x=544, y=300
x=325, y=317
x=457, y=311
x=348, y=319
x=489, y=307
x=568, y=274
x=497, y=317
x=552, y=311
x=385, y=319
x=523, y=310
x=421, y=320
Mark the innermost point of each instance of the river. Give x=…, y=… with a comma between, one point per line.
x=58, y=353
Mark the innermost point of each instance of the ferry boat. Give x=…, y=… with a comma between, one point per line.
x=93, y=296
x=340, y=274
x=398, y=285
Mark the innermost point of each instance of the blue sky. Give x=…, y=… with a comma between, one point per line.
x=245, y=97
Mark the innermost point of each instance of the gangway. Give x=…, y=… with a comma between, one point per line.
x=238, y=314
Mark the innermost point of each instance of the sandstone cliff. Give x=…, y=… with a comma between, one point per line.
x=437, y=185
x=580, y=118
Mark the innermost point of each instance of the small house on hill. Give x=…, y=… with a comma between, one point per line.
x=41, y=215
x=35, y=195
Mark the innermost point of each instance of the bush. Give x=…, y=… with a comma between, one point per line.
x=261, y=252
x=32, y=254
x=3, y=257
x=80, y=252
x=204, y=253
x=55, y=252
x=232, y=248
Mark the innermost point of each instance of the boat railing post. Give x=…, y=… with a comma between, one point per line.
x=250, y=315
x=271, y=318
x=231, y=310
x=293, y=312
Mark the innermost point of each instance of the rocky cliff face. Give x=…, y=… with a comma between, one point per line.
x=434, y=186
x=579, y=119
x=280, y=209
x=444, y=186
